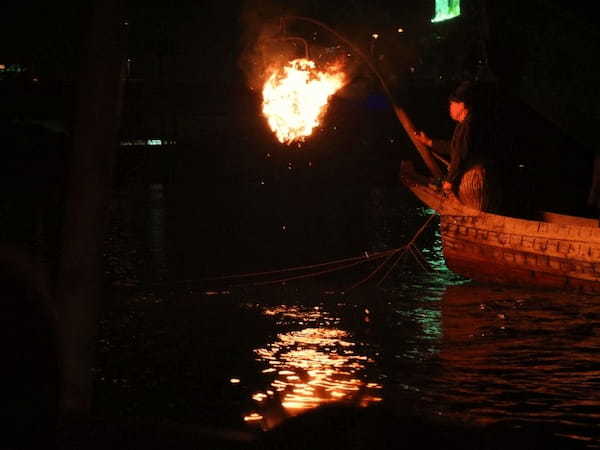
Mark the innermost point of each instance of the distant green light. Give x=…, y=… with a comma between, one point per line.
x=446, y=9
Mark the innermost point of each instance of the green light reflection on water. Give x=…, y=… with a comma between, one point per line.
x=430, y=321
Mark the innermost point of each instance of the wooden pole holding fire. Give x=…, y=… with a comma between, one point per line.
x=404, y=119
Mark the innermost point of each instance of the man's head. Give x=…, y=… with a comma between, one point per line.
x=458, y=110
x=462, y=101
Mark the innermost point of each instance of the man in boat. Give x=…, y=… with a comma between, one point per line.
x=472, y=174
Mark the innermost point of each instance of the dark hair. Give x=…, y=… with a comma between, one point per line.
x=465, y=93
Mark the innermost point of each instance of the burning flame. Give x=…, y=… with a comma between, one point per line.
x=295, y=98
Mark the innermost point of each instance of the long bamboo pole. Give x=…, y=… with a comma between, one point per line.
x=404, y=119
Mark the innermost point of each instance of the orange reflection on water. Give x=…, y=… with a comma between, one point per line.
x=314, y=366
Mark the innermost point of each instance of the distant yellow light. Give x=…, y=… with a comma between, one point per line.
x=234, y=380
x=400, y=30
x=253, y=417
x=375, y=36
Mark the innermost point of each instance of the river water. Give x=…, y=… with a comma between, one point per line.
x=472, y=353
x=431, y=341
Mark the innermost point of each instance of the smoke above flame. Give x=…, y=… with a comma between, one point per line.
x=295, y=98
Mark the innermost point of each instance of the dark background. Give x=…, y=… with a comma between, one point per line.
x=191, y=81
x=220, y=195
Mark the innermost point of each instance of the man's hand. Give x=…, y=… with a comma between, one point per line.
x=423, y=138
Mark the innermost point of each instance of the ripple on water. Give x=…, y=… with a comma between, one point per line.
x=472, y=353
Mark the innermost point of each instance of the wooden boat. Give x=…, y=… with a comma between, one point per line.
x=556, y=252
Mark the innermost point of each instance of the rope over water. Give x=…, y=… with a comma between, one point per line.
x=255, y=279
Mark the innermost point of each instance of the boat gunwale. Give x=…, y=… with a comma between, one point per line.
x=449, y=202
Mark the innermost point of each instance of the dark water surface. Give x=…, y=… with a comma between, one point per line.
x=470, y=353
x=430, y=343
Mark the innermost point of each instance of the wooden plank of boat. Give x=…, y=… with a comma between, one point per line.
x=501, y=254
x=568, y=220
x=557, y=251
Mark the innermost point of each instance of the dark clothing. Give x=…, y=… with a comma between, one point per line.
x=459, y=150
x=594, y=195
x=474, y=169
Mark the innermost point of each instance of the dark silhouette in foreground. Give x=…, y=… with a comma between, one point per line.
x=378, y=427
x=29, y=360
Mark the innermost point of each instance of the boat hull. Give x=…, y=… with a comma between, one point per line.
x=556, y=252
x=475, y=250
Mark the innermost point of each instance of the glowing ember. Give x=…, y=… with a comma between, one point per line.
x=295, y=98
